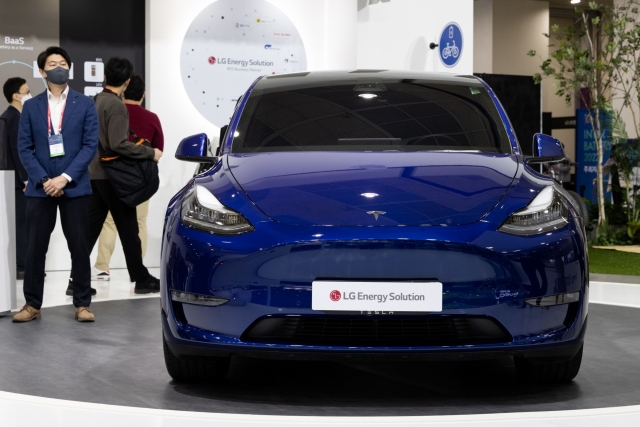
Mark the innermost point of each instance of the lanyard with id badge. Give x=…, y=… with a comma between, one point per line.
x=56, y=146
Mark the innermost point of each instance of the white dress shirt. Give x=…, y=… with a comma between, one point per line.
x=56, y=107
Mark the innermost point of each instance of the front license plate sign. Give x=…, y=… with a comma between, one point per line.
x=376, y=296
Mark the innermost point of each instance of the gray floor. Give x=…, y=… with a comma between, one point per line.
x=118, y=360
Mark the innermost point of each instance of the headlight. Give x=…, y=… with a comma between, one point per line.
x=202, y=211
x=547, y=212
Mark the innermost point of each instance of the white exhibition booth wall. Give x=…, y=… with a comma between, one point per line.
x=7, y=242
x=335, y=35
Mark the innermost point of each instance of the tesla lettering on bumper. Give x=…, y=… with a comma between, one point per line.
x=337, y=295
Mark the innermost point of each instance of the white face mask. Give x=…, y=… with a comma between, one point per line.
x=25, y=98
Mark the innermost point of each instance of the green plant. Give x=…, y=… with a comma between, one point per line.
x=615, y=213
x=632, y=228
x=624, y=33
x=625, y=154
x=583, y=59
x=606, y=235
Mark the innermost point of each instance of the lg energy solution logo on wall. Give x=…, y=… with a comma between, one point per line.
x=231, y=43
x=451, y=43
x=240, y=62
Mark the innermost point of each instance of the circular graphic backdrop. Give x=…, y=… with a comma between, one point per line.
x=451, y=44
x=228, y=46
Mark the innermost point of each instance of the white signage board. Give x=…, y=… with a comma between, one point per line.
x=376, y=296
x=230, y=44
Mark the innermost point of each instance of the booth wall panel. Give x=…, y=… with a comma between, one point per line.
x=7, y=241
x=327, y=29
x=395, y=35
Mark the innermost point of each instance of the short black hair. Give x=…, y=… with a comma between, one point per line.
x=53, y=50
x=117, y=71
x=135, y=90
x=12, y=86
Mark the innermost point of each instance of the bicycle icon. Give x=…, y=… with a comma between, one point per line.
x=450, y=51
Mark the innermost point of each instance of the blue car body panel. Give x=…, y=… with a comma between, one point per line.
x=413, y=188
x=310, y=223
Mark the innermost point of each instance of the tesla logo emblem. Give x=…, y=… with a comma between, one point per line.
x=335, y=295
x=376, y=214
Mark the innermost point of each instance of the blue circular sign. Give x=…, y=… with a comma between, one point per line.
x=450, y=46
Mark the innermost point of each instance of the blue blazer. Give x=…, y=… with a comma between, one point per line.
x=79, y=134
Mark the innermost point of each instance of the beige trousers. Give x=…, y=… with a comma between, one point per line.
x=107, y=240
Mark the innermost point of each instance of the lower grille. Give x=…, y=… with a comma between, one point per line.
x=376, y=331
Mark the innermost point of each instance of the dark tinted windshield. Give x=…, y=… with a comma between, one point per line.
x=404, y=116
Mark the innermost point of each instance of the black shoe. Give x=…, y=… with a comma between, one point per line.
x=20, y=275
x=149, y=285
x=69, y=292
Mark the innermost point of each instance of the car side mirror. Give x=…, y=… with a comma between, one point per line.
x=546, y=149
x=195, y=148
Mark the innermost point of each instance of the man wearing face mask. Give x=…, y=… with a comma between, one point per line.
x=114, y=139
x=57, y=140
x=146, y=125
x=16, y=91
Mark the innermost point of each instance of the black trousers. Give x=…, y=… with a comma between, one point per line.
x=41, y=220
x=103, y=201
x=21, y=230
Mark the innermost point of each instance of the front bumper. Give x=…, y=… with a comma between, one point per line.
x=218, y=346
x=269, y=272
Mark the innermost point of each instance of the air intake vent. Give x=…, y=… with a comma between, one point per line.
x=376, y=331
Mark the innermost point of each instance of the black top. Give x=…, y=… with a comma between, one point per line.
x=12, y=121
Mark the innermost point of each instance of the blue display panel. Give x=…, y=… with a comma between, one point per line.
x=587, y=155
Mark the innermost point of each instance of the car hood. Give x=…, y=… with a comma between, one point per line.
x=374, y=188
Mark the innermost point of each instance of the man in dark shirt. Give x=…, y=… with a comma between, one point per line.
x=144, y=124
x=142, y=121
x=17, y=93
x=114, y=127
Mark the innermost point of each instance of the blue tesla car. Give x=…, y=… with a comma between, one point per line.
x=373, y=215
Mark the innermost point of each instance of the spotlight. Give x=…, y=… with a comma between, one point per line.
x=575, y=1
x=367, y=95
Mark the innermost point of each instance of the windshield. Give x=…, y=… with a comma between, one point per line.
x=401, y=116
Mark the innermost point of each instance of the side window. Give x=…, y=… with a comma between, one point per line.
x=223, y=132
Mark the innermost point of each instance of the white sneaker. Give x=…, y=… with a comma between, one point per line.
x=99, y=274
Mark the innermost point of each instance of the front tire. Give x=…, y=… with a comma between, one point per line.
x=583, y=210
x=190, y=371
x=559, y=372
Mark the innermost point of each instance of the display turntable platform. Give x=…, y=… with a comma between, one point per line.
x=118, y=361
